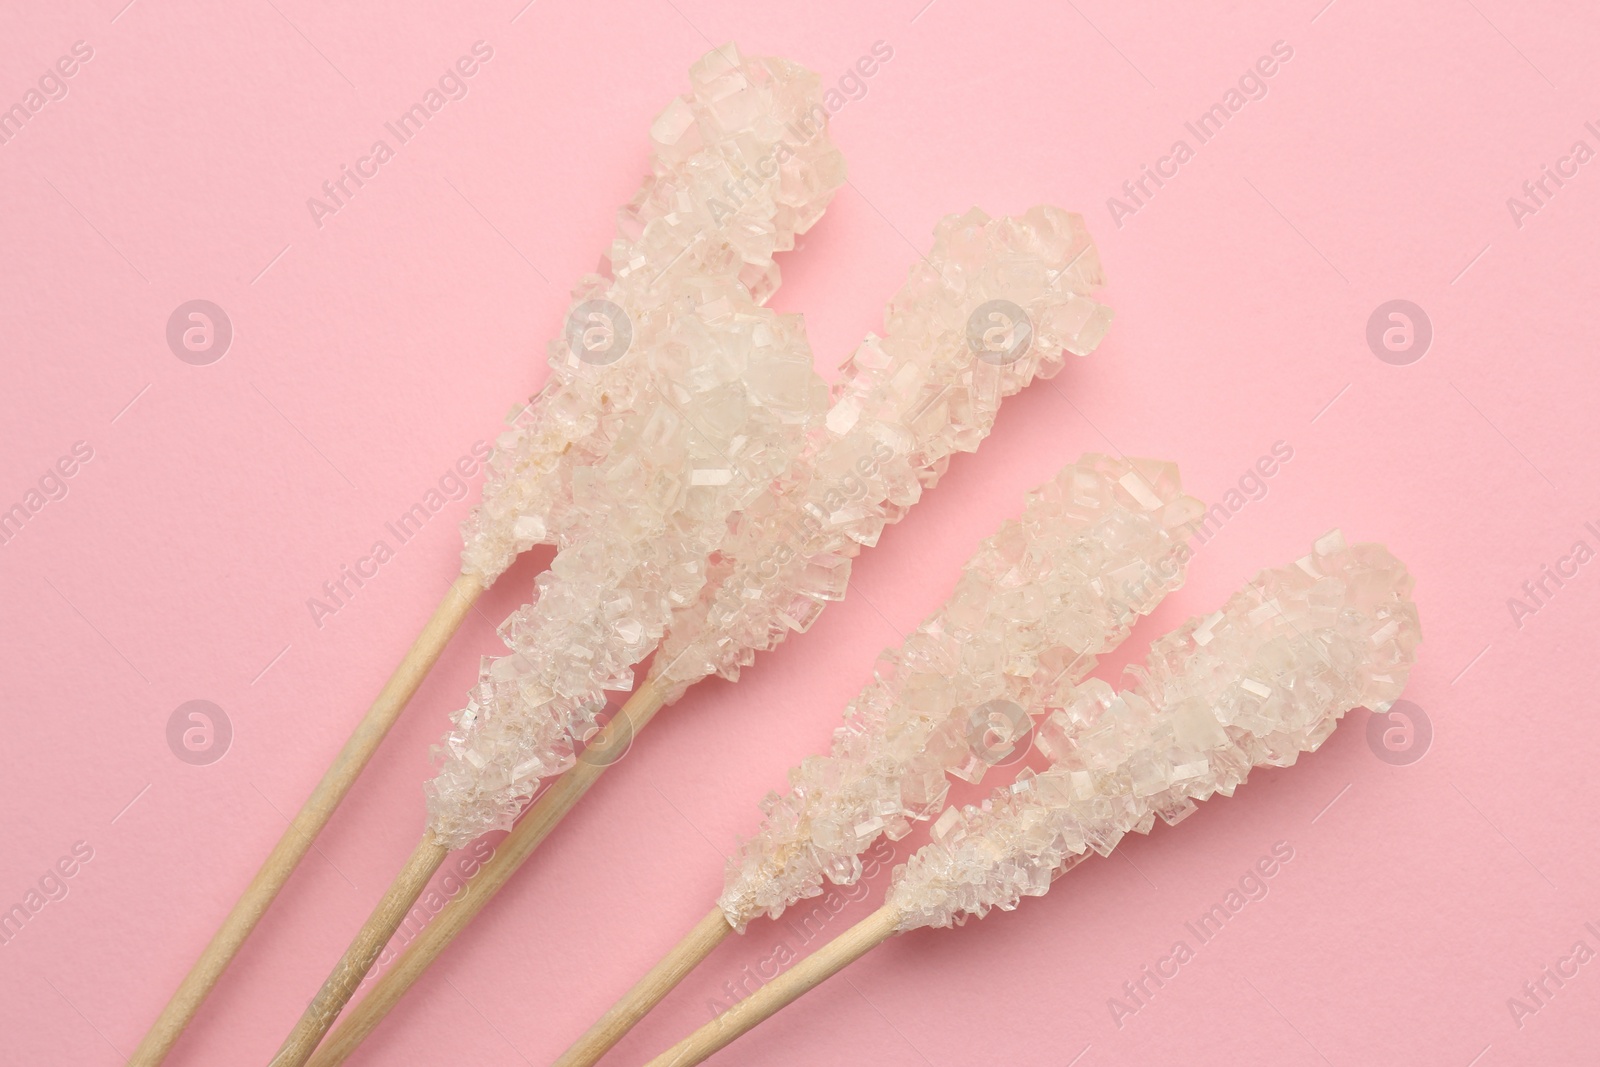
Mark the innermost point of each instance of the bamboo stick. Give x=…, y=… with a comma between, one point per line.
x=638, y=1002
x=358, y=958
x=783, y=990
x=529, y=833
x=308, y=822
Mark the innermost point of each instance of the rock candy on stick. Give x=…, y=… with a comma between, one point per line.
x=905, y=403
x=1254, y=684
x=1097, y=546
x=710, y=400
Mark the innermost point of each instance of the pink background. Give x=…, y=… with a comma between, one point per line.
x=370, y=353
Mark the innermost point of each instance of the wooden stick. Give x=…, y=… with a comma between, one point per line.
x=358, y=958
x=530, y=831
x=783, y=990
x=312, y=817
x=652, y=988
x=707, y=934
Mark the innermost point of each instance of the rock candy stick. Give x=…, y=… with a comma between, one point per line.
x=708, y=398
x=1254, y=684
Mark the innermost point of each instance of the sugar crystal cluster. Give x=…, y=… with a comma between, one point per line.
x=1097, y=547
x=1258, y=682
x=739, y=166
x=714, y=398
x=904, y=405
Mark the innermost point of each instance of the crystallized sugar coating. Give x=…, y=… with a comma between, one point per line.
x=739, y=166
x=1096, y=547
x=658, y=505
x=905, y=404
x=714, y=398
x=1256, y=683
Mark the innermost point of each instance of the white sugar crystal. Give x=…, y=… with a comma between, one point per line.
x=869, y=828
x=1140, y=491
x=1195, y=723
x=529, y=528
x=1031, y=611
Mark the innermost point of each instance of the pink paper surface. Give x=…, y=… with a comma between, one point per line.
x=1425, y=897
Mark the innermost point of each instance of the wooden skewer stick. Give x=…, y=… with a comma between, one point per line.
x=530, y=831
x=357, y=960
x=783, y=990
x=649, y=991
x=639, y=1001
x=308, y=823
